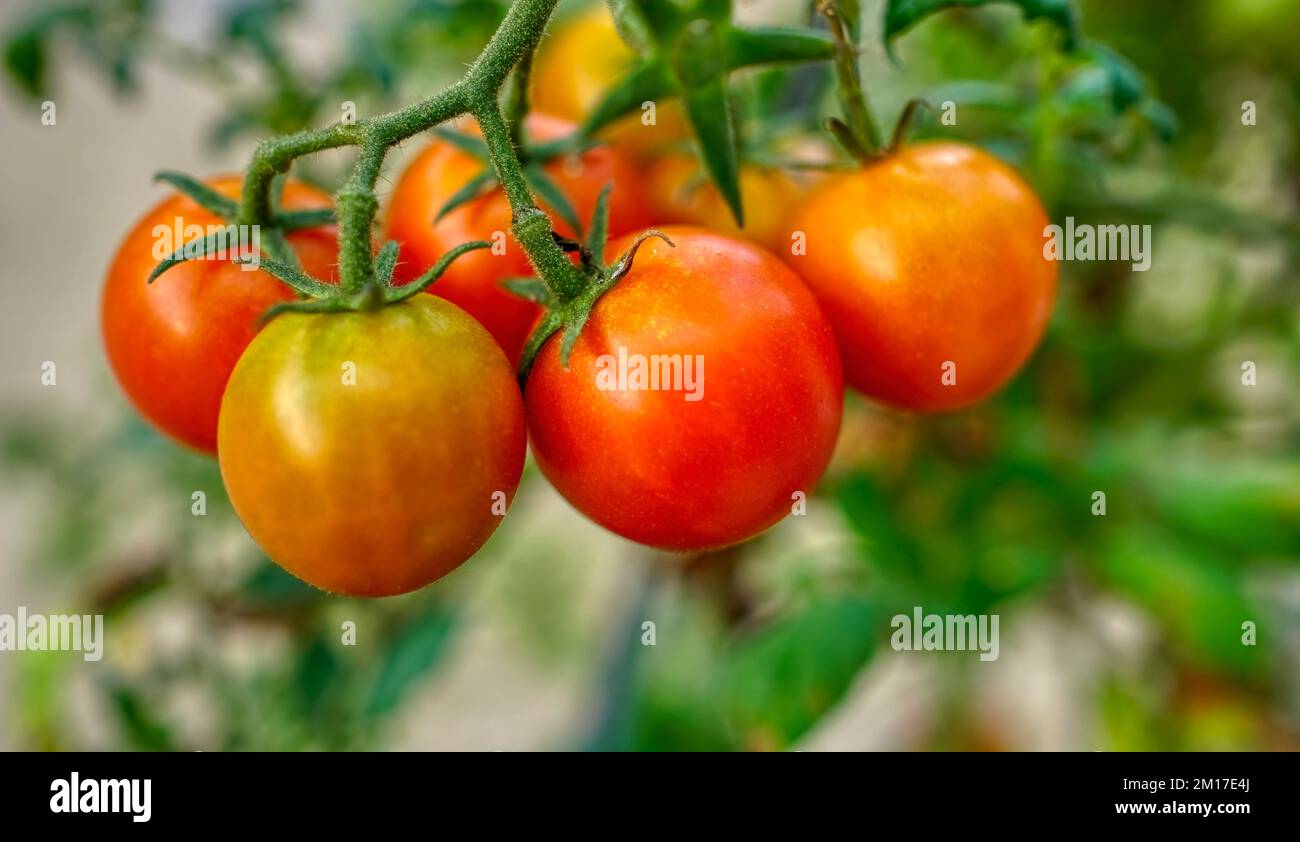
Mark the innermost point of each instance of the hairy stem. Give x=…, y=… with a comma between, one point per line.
x=477, y=93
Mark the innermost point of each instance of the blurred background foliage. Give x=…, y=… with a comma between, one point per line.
x=783, y=642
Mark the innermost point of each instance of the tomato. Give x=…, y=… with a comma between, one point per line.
x=930, y=266
x=371, y=453
x=575, y=67
x=474, y=281
x=173, y=343
x=680, y=192
x=719, y=451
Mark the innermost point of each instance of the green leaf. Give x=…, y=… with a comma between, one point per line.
x=480, y=185
x=550, y=323
x=775, y=45
x=709, y=110
x=529, y=289
x=1199, y=599
x=433, y=273
x=599, y=231
x=550, y=193
x=215, y=244
x=780, y=682
x=902, y=14
x=141, y=728
x=295, y=277
x=467, y=143
x=26, y=60
x=408, y=656
x=647, y=82
x=632, y=25
x=385, y=262
x=299, y=219
x=1126, y=85
x=202, y=194
x=277, y=247
x=572, y=330
x=1161, y=117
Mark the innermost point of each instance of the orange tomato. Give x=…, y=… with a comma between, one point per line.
x=371, y=453
x=930, y=266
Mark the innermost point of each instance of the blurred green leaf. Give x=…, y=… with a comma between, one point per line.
x=413, y=649
x=902, y=14
x=782, y=680
x=143, y=731
x=1199, y=601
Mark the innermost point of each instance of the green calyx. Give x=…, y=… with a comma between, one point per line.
x=570, y=312
x=279, y=260
x=532, y=156
x=218, y=243
x=365, y=278
x=688, y=51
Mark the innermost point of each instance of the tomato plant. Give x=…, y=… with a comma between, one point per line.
x=443, y=169
x=742, y=420
x=172, y=343
x=929, y=264
x=370, y=453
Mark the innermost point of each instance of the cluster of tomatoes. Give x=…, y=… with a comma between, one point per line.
x=372, y=452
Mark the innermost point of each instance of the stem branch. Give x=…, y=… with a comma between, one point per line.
x=477, y=93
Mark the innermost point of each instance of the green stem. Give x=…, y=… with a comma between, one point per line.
x=477, y=93
x=516, y=106
x=530, y=225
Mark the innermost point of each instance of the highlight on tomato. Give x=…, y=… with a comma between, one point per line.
x=172, y=343
x=474, y=282
x=370, y=453
x=702, y=398
x=929, y=264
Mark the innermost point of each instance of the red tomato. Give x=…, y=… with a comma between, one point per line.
x=173, y=343
x=929, y=265
x=721, y=458
x=372, y=453
x=474, y=281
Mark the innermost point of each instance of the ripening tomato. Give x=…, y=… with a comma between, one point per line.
x=930, y=266
x=702, y=397
x=173, y=343
x=576, y=66
x=680, y=192
x=371, y=453
x=474, y=281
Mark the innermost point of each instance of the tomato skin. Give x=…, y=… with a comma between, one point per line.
x=379, y=487
x=934, y=254
x=575, y=67
x=473, y=281
x=691, y=475
x=173, y=343
x=680, y=193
